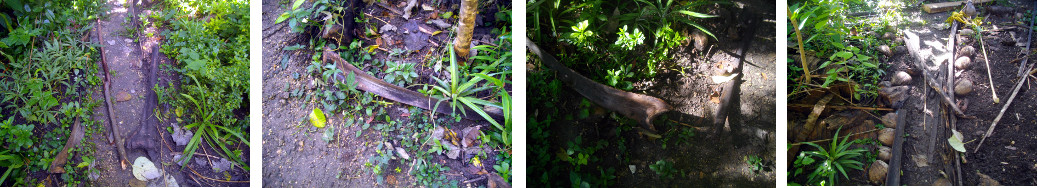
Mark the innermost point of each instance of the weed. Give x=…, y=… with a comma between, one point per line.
x=828, y=163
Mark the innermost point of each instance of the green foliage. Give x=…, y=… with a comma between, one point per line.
x=755, y=162
x=848, y=47
x=663, y=168
x=299, y=17
x=827, y=163
x=400, y=74
x=212, y=56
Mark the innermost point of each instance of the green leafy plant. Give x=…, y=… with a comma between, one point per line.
x=828, y=163
x=755, y=163
x=400, y=73
x=462, y=93
x=663, y=168
x=299, y=17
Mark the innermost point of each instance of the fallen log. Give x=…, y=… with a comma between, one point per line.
x=383, y=89
x=642, y=108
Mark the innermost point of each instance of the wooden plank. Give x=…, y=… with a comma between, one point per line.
x=946, y=6
x=893, y=174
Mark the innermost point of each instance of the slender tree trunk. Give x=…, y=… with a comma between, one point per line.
x=465, y=25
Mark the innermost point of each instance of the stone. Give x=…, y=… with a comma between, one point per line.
x=901, y=78
x=886, y=136
x=144, y=169
x=900, y=50
x=885, y=153
x=962, y=63
x=963, y=87
x=877, y=172
x=122, y=96
x=848, y=117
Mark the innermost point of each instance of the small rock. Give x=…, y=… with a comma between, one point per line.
x=886, y=84
x=877, y=172
x=441, y=24
x=963, y=87
x=962, y=63
x=985, y=180
x=633, y=168
x=890, y=120
x=886, y=50
x=122, y=96
x=886, y=136
x=942, y=182
x=888, y=36
x=900, y=50
x=387, y=28
x=301, y=145
x=885, y=153
x=966, y=51
x=901, y=78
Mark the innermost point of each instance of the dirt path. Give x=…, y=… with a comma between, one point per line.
x=133, y=61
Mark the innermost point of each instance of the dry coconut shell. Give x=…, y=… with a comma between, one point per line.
x=886, y=136
x=886, y=50
x=885, y=153
x=877, y=172
x=963, y=87
x=966, y=51
x=901, y=78
x=962, y=63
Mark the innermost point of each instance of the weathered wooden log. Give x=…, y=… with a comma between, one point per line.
x=389, y=91
x=642, y=108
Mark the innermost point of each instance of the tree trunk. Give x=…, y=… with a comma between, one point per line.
x=465, y=26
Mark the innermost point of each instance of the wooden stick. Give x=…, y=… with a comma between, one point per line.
x=799, y=39
x=842, y=107
x=850, y=135
x=119, y=142
x=990, y=130
x=986, y=61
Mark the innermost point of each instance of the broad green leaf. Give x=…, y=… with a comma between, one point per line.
x=955, y=141
x=317, y=118
x=297, y=4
